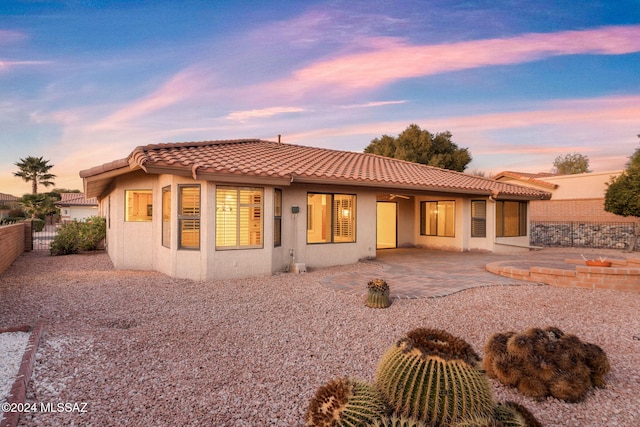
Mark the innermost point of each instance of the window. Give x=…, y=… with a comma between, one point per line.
x=277, y=218
x=511, y=219
x=138, y=205
x=238, y=217
x=478, y=218
x=331, y=218
x=437, y=218
x=189, y=216
x=166, y=217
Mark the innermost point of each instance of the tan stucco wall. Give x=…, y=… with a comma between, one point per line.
x=591, y=185
x=138, y=245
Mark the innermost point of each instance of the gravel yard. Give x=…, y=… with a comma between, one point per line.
x=141, y=348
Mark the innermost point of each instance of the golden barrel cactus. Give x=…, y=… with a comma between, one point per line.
x=378, y=294
x=434, y=377
x=345, y=402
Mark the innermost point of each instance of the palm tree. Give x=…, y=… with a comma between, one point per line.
x=36, y=171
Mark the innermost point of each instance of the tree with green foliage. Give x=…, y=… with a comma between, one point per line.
x=623, y=192
x=36, y=171
x=571, y=164
x=39, y=205
x=421, y=146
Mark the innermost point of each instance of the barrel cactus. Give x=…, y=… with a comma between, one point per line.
x=434, y=377
x=509, y=414
x=546, y=362
x=345, y=402
x=395, y=421
x=378, y=294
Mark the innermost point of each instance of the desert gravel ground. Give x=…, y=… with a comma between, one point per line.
x=144, y=349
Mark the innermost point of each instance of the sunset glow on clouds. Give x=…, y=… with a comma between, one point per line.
x=372, y=69
x=518, y=87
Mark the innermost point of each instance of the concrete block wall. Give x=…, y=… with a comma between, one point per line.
x=587, y=210
x=12, y=243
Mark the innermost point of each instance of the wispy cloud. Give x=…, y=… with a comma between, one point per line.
x=262, y=113
x=11, y=36
x=373, y=104
x=184, y=85
x=396, y=60
x=6, y=65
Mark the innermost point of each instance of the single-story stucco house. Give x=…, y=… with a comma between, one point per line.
x=238, y=208
x=76, y=207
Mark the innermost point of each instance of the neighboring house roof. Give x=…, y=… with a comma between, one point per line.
x=534, y=178
x=253, y=160
x=8, y=198
x=76, y=199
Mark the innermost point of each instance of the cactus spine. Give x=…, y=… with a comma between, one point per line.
x=432, y=376
x=345, y=402
x=378, y=294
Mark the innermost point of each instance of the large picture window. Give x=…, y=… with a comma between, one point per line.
x=331, y=218
x=239, y=217
x=478, y=218
x=189, y=216
x=138, y=205
x=166, y=217
x=438, y=218
x=511, y=219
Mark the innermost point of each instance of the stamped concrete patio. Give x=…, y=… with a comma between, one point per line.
x=427, y=273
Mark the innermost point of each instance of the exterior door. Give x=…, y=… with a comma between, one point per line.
x=387, y=225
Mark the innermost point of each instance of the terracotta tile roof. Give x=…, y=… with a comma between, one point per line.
x=529, y=177
x=268, y=161
x=8, y=198
x=76, y=199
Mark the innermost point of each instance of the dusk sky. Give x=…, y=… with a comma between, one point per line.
x=83, y=82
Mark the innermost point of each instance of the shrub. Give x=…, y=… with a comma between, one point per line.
x=79, y=236
x=37, y=224
x=17, y=213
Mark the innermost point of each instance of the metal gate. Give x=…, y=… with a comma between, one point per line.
x=42, y=239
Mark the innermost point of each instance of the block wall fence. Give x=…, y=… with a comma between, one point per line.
x=14, y=240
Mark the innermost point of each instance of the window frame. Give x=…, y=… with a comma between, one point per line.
x=277, y=217
x=334, y=224
x=195, y=218
x=477, y=220
x=166, y=217
x=149, y=207
x=501, y=227
x=255, y=212
x=424, y=216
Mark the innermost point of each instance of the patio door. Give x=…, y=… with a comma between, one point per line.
x=386, y=225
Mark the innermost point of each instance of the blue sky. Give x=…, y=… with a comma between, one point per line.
x=517, y=82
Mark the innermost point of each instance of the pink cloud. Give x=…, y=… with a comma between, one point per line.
x=393, y=60
x=183, y=85
x=262, y=113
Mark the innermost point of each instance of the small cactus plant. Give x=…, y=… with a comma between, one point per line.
x=546, y=362
x=378, y=294
x=395, y=421
x=434, y=377
x=508, y=414
x=345, y=402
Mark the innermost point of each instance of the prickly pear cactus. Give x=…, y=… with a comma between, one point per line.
x=434, y=377
x=345, y=402
x=378, y=294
